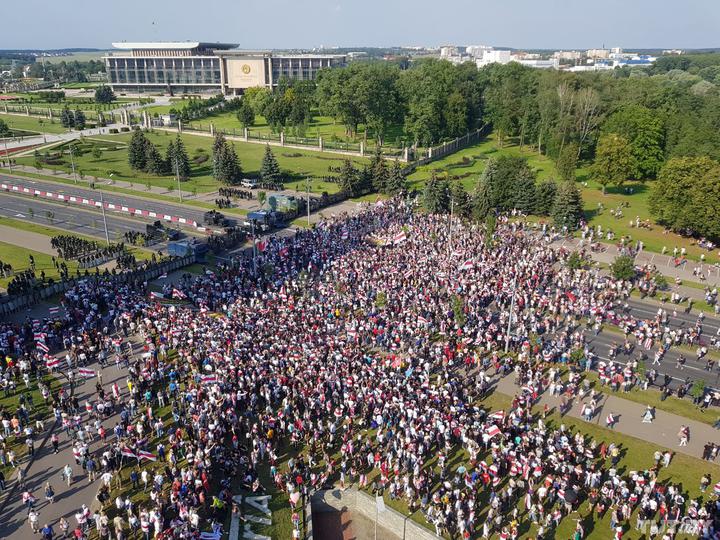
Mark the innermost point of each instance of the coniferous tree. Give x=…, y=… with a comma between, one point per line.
x=365, y=180
x=137, y=151
x=177, y=159
x=270, y=170
x=379, y=171
x=436, y=195
x=396, y=183
x=567, y=209
x=545, y=197
x=67, y=118
x=349, y=179
x=79, y=119
x=461, y=204
x=482, y=199
x=154, y=163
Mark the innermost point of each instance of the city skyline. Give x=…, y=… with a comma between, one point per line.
x=556, y=24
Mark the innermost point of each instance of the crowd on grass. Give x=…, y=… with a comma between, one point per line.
x=358, y=352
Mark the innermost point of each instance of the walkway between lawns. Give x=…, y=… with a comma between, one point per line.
x=663, y=431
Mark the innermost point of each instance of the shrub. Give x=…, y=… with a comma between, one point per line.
x=113, y=130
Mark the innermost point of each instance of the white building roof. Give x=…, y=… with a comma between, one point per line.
x=128, y=45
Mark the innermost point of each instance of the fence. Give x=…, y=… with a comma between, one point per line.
x=11, y=304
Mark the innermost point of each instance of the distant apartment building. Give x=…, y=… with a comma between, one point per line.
x=568, y=55
x=598, y=53
x=206, y=68
x=493, y=56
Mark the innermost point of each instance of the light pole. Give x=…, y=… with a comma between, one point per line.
x=7, y=155
x=452, y=208
x=177, y=177
x=307, y=188
x=102, y=207
x=72, y=162
x=512, y=306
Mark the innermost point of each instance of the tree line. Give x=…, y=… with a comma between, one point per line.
x=144, y=155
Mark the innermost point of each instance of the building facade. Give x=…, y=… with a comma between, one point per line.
x=205, y=68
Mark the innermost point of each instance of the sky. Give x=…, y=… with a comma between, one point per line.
x=253, y=24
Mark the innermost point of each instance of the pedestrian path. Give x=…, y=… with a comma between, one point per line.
x=663, y=431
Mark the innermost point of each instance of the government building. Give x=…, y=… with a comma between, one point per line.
x=206, y=68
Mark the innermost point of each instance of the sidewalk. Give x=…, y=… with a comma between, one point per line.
x=663, y=431
x=47, y=467
x=664, y=264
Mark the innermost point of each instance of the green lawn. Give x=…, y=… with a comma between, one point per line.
x=468, y=164
x=320, y=126
x=32, y=123
x=295, y=165
x=18, y=257
x=654, y=238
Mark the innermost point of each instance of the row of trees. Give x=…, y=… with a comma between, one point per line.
x=507, y=183
x=145, y=156
x=73, y=119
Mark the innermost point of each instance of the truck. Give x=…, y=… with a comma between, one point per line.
x=183, y=248
x=213, y=217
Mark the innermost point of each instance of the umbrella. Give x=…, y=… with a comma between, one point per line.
x=461, y=469
x=570, y=495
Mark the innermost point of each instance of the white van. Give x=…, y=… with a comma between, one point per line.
x=249, y=183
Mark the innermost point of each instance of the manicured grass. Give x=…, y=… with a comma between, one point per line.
x=469, y=163
x=18, y=257
x=654, y=238
x=37, y=228
x=295, y=165
x=32, y=123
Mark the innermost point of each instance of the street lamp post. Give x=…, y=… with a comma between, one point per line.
x=307, y=188
x=177, y=177
x=7, y=155
x=72, y=163
x=102, y=207
x=512, y=307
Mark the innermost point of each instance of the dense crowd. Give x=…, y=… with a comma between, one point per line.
x=367, y=344
x=235, y=193
x=73, y=247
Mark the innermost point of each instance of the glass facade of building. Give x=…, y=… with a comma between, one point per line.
x=193, y=72
x=303, y=68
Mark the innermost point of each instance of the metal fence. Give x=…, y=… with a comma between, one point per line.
x=11, y=304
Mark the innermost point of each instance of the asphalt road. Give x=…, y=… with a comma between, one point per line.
x=67, y=217
x=109, y=197
x=693, y=368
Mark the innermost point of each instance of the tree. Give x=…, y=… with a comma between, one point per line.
x=177, y=159
x=644, y=131
x=511, y=184
x=614, y=162
x=380, y=175
x=686, y=194
x=270, y=170
x=567, y=209
x=67, y=119
x=623, y=267
x=4, y=129
x=574, y=261
x=137, y=157
x=226, y=166
x=349, y=179
x=436, y=195
x=96, y=152
x=461, y=203
x=396, y=182
x=482, y=199
x=79, y=119
x=567, y=162
x=246, y=114
x=104, y=95
x=154, y=163
x=545, y=193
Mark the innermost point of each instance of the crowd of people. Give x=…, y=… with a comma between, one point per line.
x=366, y=345
x=235, y=193
x=74, y=247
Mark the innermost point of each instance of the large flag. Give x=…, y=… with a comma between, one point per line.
x=492, y=431
x=261, y=245
x=86, y=372
x=52, y=362
x=209, y=379
x=497, y=415
x=40, y=336
x=127, y=452
x=157, y=295
x=146, y=455
x=399, y=237
x=177, y=293
x=54, y=310
x=467, y=265
x=41, y=345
